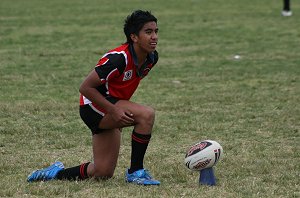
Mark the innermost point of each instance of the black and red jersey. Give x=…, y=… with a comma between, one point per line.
x=119, y=73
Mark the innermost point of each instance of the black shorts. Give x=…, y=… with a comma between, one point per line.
x=92, y=118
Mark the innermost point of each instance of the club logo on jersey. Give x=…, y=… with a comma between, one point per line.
x=127, y=75
x=146, y=71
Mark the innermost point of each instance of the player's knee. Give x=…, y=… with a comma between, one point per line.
x=103, y=173
x=148, y=115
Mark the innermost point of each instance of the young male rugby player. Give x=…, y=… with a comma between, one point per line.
x=105, y=107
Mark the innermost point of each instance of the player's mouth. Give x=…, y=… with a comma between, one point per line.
x=153, y=44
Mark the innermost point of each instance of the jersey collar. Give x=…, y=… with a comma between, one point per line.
x=149, y=60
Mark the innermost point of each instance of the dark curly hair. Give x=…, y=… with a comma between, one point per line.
x=135, y=22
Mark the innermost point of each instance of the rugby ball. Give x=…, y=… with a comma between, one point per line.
x=204, y=154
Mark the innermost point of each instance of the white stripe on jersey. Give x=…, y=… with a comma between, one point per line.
x=85, y=100
x=116, y=52
x=96, y=110
x=106, y=84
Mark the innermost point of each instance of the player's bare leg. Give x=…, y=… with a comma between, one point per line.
x=143, y=123
x=143, y=117
x=106, y=147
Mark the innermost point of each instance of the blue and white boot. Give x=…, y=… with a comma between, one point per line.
x=46, y=174
x=141, y=177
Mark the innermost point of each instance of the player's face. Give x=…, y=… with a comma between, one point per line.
x=148, y=37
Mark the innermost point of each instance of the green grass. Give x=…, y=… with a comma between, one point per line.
x=251, y=105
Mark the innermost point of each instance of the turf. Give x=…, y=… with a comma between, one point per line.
x=250, y=105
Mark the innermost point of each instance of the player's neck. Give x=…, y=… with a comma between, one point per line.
x=140, y=54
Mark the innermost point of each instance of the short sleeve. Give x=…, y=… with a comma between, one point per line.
x=110, y=63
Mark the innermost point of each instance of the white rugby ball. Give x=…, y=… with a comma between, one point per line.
x=204, y=154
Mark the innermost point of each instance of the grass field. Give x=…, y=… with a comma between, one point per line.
x=250, y=105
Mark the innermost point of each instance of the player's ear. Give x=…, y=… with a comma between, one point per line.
x=134, y=38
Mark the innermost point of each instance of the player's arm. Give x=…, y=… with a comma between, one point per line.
x=99, y=76
x=88, y=88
